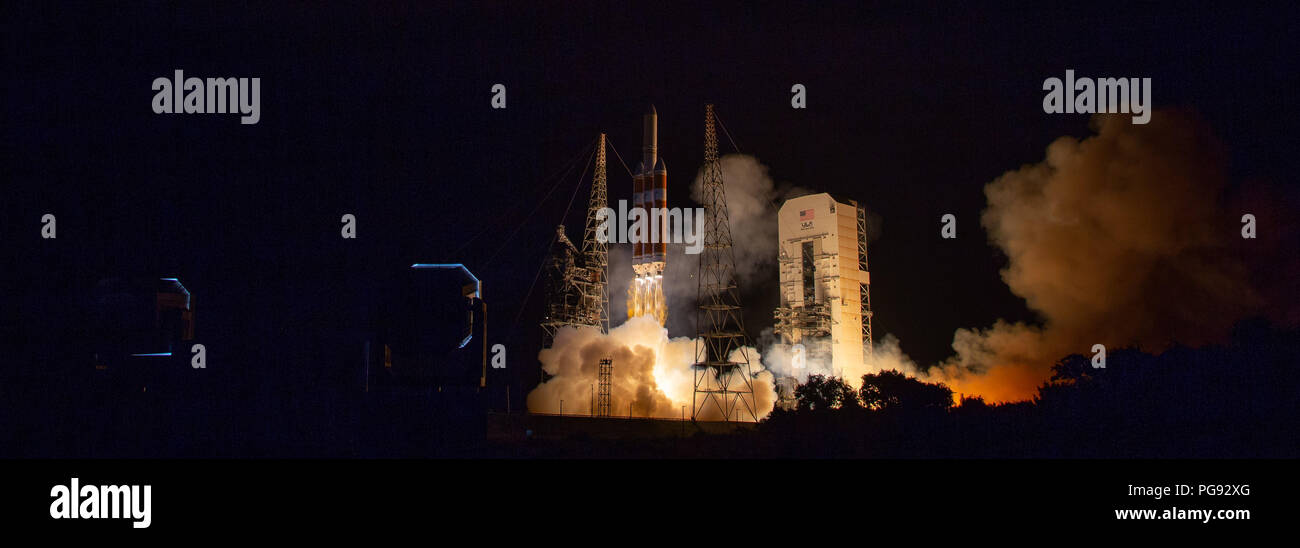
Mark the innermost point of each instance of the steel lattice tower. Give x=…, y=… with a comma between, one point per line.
x=603, y=396
x=864, y=294
x=594, y=251
x=577, y=281
x=720, y=384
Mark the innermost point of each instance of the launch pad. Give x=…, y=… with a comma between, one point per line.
x=519, y=428
x=721, y=366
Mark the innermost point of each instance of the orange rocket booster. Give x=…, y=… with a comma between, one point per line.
x=660, y=200
x=650, y=192
x=638, y=202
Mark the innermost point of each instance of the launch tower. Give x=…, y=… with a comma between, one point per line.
x=577, y=280
x=723, y=388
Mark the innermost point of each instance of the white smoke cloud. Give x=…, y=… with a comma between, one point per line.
x=752, y=201
x=652, y=372
x=887, y=354
x=752, y=196
x=651, y=377
x=1120, y=239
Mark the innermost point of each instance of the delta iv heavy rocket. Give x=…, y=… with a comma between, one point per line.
x=645, y=295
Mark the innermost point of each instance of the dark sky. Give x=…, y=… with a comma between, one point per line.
x=383, y=111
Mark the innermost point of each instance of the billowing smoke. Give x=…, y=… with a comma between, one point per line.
x=651, y=371
x=752, y=201
x=784, y=361
x=752, y=198
x=780, y=358
x=1119, y=239
x=1123, y=239
x=750, y=193
x=651, y=374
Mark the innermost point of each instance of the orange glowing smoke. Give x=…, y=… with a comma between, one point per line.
x=1119, y=239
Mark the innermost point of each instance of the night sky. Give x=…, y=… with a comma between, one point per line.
x=383, y=111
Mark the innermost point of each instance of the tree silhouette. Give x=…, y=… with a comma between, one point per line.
x=822, y=393
x=892, y=390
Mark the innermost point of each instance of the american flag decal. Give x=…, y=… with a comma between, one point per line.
x=805, y=215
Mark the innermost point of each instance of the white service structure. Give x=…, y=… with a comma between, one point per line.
x=825, y=284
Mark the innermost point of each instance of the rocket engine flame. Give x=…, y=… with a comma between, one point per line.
x=645, y=297
x=651, y=377
x=1119, y=238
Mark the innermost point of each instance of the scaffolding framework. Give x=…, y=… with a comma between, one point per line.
x=577, y=281
x=865, y=288
x=603, y=399
x=812, y=318
x=564, y=289
x=798, y=322
x=720, y=384
x=595, y=253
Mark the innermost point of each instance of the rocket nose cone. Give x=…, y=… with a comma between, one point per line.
x=652, y=110
x=660, y=167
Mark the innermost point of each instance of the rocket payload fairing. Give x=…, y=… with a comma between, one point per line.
x=650, y=245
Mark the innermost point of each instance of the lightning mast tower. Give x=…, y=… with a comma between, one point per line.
x=722, y=386
x=594, y=251
x=604, y=400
